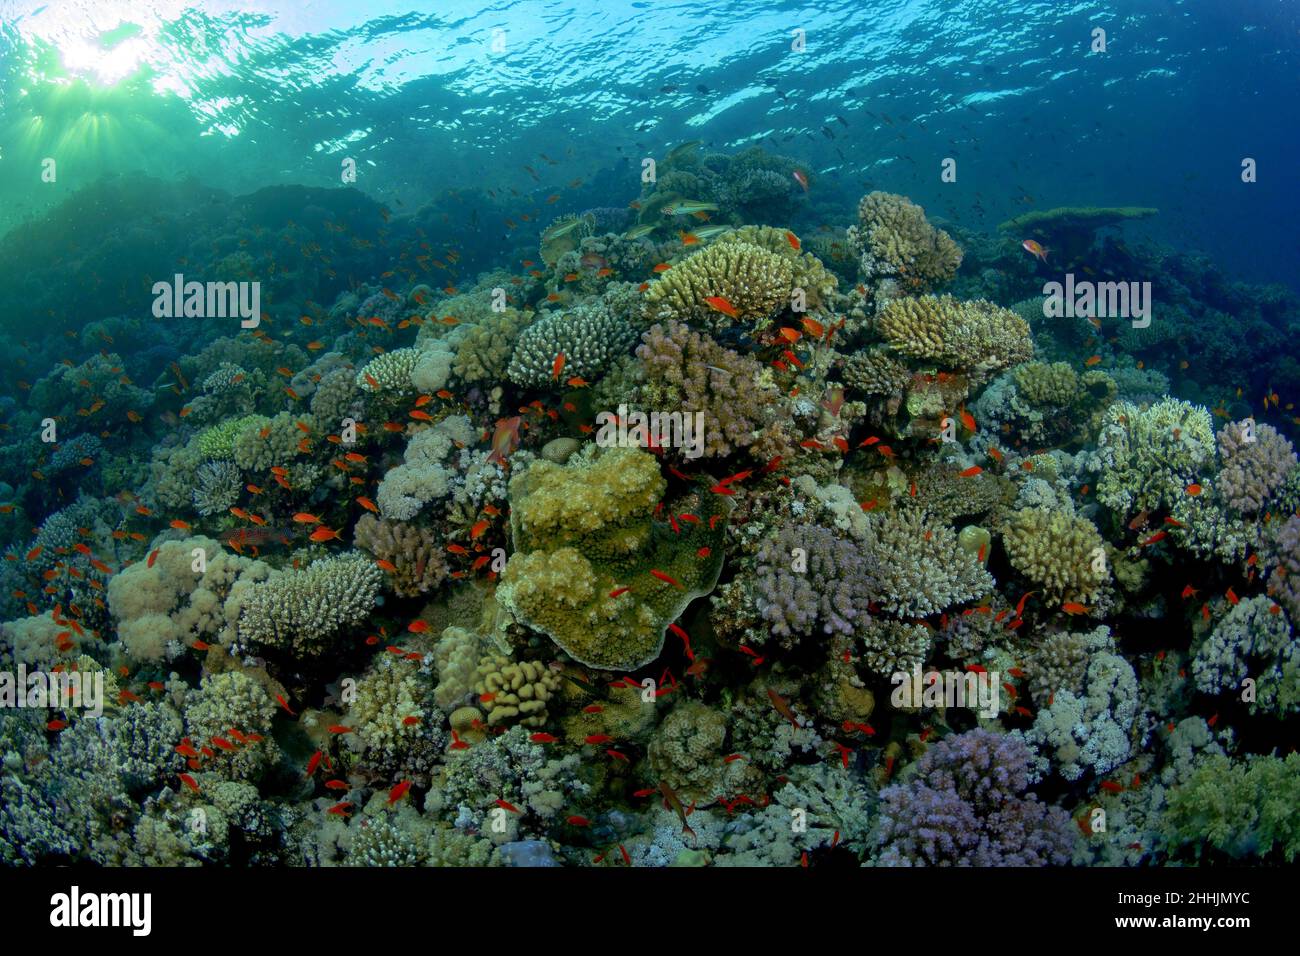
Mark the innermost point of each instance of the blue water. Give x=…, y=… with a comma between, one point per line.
x=243, y=95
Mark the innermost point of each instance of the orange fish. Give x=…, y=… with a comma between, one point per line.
x=1035, y=250
x=970, y=472
x=398, y=792
x=557, y=366
x=323, y=534
x=1071, y=607
x=303, y=517
x=1193, y=489
x=791, y=238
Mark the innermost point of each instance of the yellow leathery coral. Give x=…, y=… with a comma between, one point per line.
x=592, y=569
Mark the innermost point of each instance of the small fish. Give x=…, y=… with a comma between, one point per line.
x=720, y=304
x=398, y=792
x=1092, y=360
x=1034, y=249
x=543, y=738
x=668, y=579
x=504, y=805
x=1193, y=489
x=1231, y=595
x=324, y=534
x=1072, y=607
x=970, y=472
x=801, y=179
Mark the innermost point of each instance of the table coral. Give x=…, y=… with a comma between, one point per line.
x=977, y=337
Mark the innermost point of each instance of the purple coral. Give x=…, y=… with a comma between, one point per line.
x=689, y=372
x=808, y=578
x=967, y=807
x=1252, y=471
x=1284, y=579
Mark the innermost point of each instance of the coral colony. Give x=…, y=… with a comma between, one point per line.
x=680, y=527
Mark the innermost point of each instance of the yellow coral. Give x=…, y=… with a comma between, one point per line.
x=518, y=690
x=755, y=281
x=1060, y=552
x=977, y=336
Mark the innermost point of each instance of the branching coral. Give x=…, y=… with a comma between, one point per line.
x=919, y=567
x=425, y=473
x=967, y=806
x=1059, y=552
x=226, y=701
x=1256, y=461
x=416, y=552
x=757, y=283
x=893, y=238
x=1090, y=730
x=589, y=337
x=303, y=612
x=1252, y=641
x=807, y=580
x=688, y=372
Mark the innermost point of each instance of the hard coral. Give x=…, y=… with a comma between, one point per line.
x=967, y=806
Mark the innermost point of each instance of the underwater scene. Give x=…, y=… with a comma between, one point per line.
x=607, y=434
